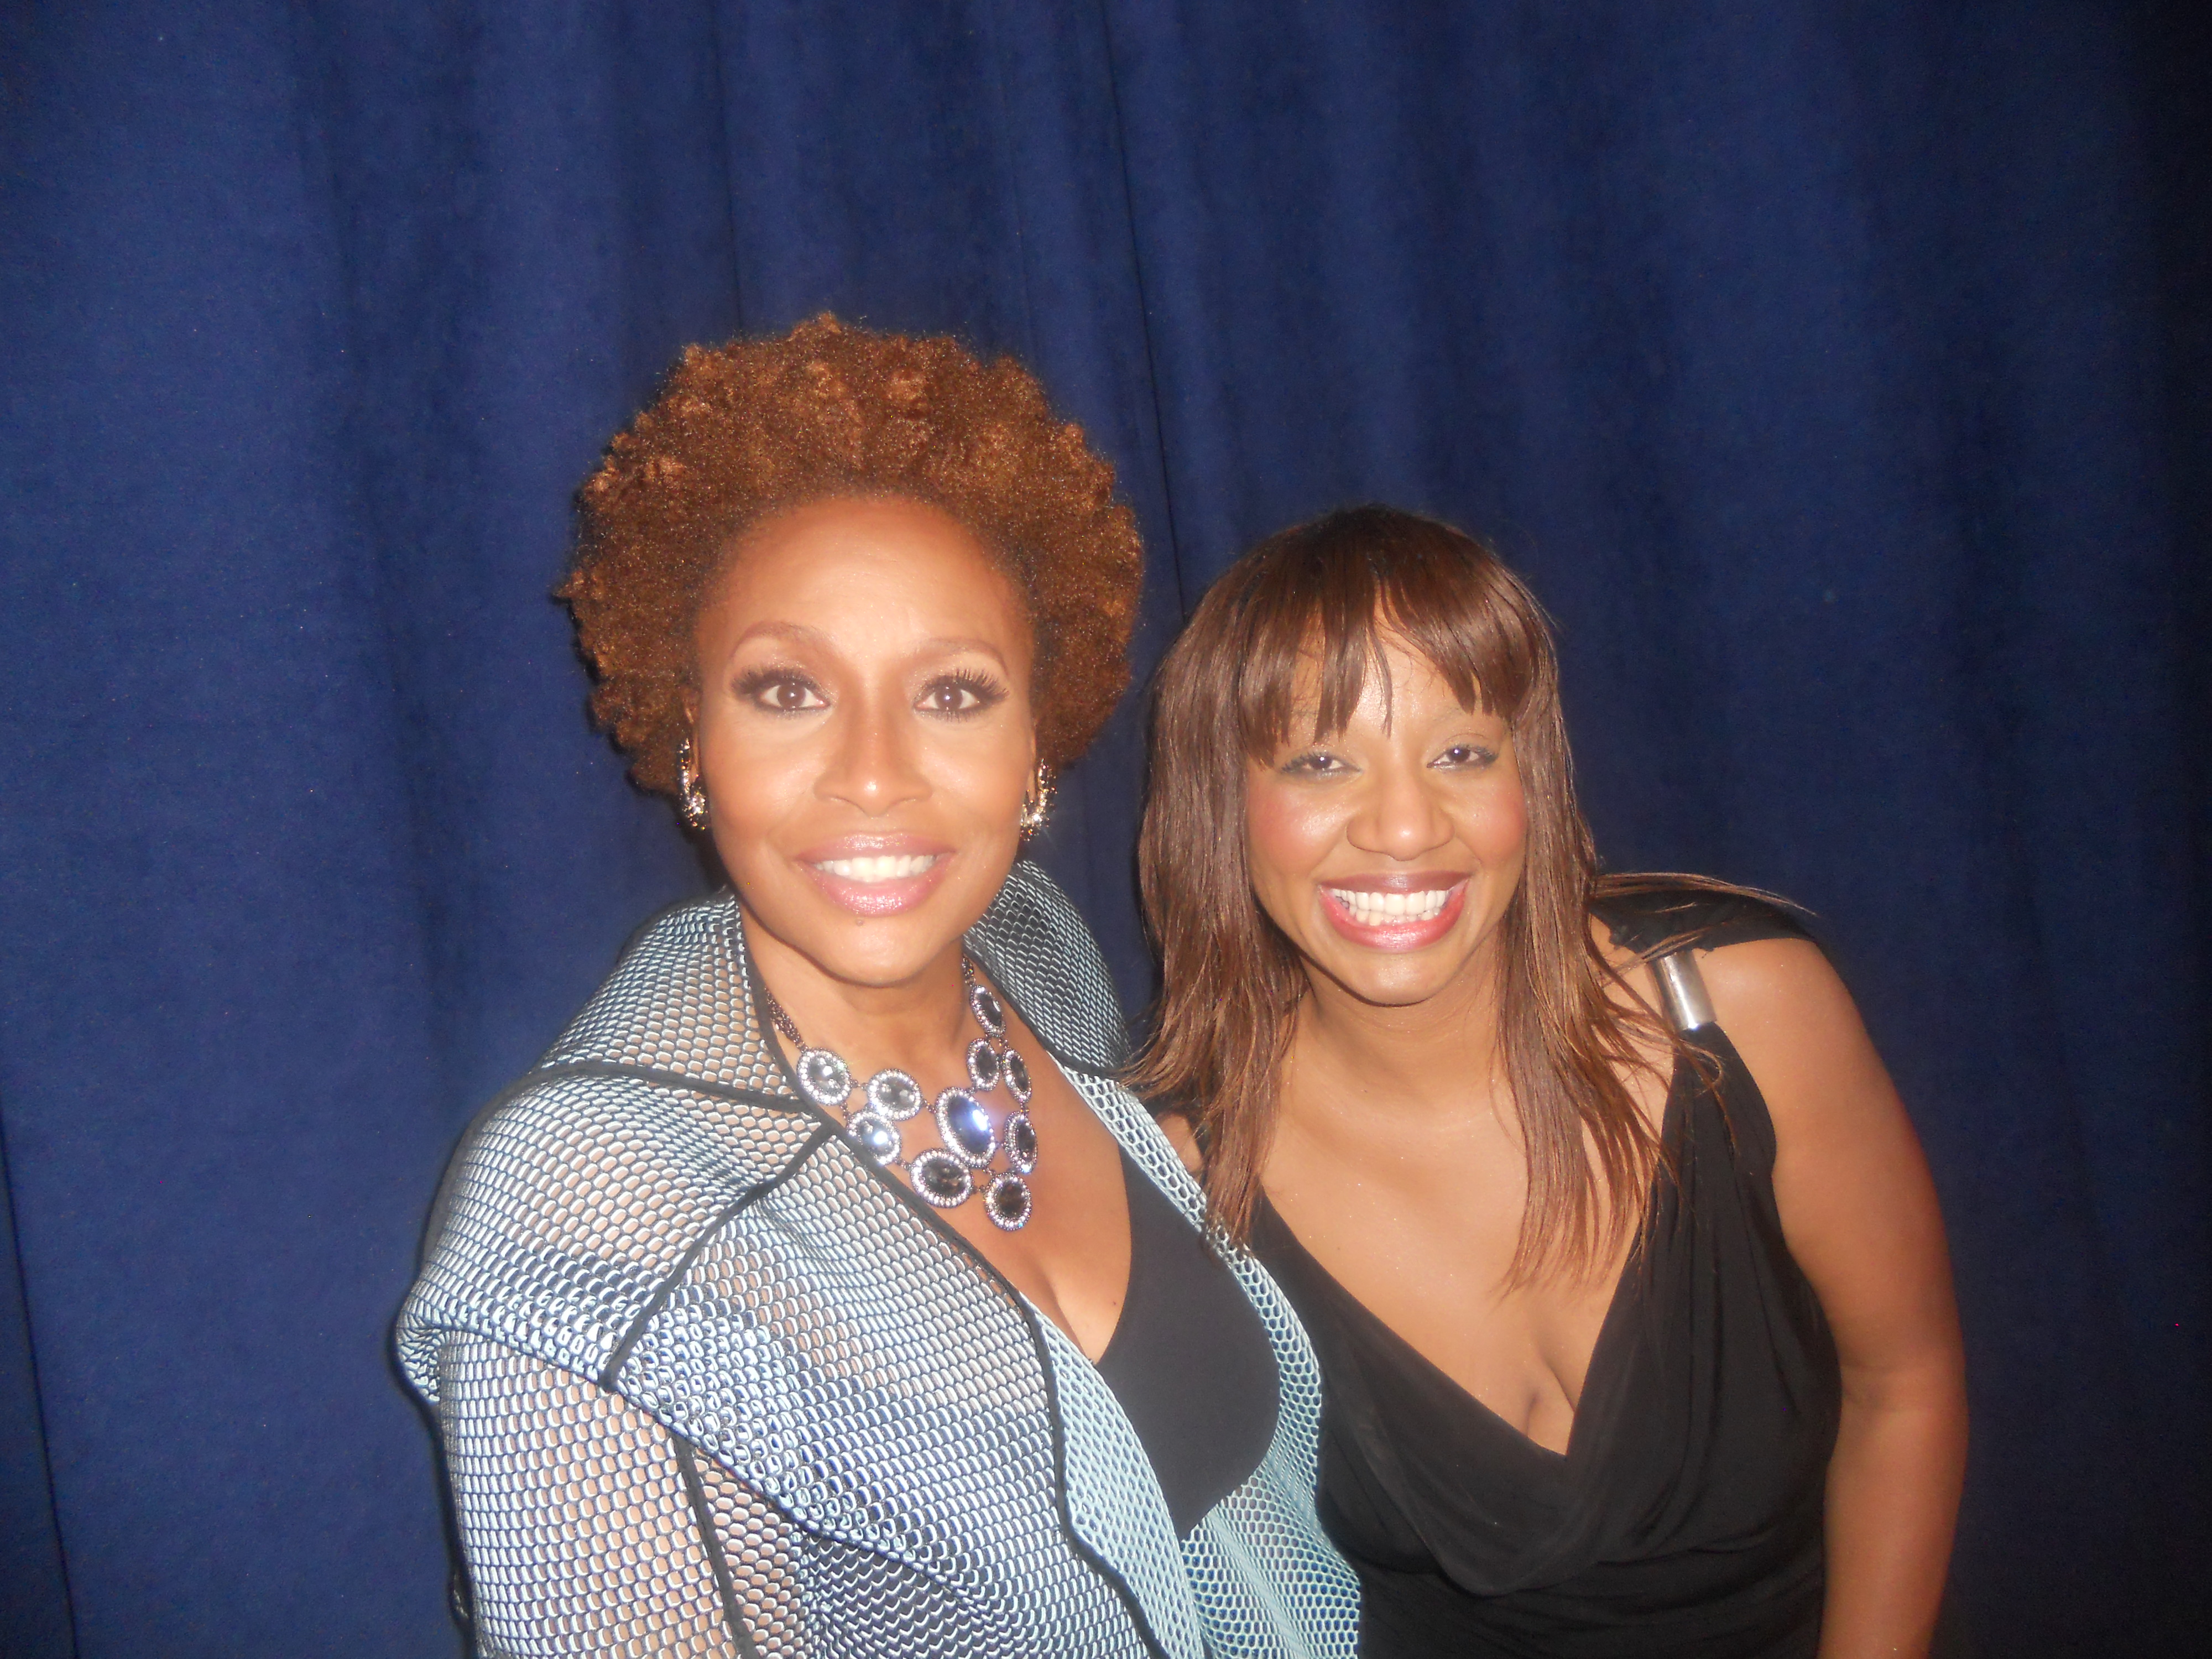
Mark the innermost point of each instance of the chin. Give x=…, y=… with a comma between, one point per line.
x=861, y=951
x=1395, y=979
x=864, y=944
x=1403, y=988
x=875, y=968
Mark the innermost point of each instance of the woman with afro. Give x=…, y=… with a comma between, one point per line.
x=820, y=1291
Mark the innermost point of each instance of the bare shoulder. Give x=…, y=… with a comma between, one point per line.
x=1789, y=1014
x=1852, y=1187
x=1773, y=978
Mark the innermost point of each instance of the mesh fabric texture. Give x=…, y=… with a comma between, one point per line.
x=710, y=1382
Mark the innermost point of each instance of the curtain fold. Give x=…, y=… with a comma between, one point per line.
x=1836, y=374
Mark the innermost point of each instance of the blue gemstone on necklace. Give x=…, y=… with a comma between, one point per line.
x=966, y=1126
x=945, y=1176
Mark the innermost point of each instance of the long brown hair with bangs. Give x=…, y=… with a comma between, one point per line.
x=1324, y=595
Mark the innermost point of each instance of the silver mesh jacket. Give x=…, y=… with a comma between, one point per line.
x=709, y=1382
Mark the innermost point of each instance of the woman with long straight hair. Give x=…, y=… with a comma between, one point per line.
x=1617, y=1248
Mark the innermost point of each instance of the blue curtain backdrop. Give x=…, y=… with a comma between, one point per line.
x=1836, y=373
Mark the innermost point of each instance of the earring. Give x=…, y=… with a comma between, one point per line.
x=691, y=788
x=1036, y=804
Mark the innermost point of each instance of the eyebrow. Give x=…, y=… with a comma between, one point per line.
x=981, y=647
x=780, y=631
x=801, y=632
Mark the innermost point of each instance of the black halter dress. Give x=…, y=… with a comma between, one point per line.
x=1684, y=1519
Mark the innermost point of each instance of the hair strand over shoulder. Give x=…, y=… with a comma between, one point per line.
x=1323, y=597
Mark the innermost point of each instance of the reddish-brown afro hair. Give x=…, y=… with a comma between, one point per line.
x=747, y=429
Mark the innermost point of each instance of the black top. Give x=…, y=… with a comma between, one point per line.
x=1685, y=1517
x=1190, y=1360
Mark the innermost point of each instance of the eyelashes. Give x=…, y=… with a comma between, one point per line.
x=964, y=691
x=1321, y=763
x=780, y=690
x=787, y=690
x=1471, y=754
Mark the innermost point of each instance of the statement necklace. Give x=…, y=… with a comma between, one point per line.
x=949, y=1175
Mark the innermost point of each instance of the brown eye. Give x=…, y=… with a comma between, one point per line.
x=782, y=694
x=1465, y=754
x=959, y=695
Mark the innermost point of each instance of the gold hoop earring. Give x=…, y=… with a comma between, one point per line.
x=1036, y=804
x=691, y=788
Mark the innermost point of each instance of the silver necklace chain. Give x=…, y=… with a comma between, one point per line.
x=976, y=1155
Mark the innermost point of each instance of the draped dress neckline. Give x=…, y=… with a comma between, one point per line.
x=1684, y=1517
x=1387, y=1335
x=1535, y=1493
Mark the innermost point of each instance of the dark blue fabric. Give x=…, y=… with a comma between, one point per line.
x=1837, y=373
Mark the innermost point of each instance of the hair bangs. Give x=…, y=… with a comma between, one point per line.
x=1316, y=614
x=1296, y=625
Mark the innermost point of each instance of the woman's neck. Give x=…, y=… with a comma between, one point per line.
x=919, y=1024
x=1442, y=1057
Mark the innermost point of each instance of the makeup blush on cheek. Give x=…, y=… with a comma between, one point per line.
x=1498, y=830
x=1288, y=834
x=1491, y=823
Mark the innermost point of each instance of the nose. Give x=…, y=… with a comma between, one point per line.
x=873, y=767
x=1399, y=815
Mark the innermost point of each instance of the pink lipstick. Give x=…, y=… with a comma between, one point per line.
x=1394, y=912
x=877, y=875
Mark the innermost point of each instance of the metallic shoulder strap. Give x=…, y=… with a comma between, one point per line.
x=1682, y=988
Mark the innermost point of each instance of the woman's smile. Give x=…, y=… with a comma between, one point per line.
x=869, y=870
x=877, y=875
x=1394, y=912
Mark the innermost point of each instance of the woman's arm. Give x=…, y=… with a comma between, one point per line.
x=1860, y=1213
x=588, y=1528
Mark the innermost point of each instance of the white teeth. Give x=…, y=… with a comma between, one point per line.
x=894, y=867
x=1372, y=910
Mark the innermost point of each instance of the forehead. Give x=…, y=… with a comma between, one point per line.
x=1381, y=680
x=856, y=569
